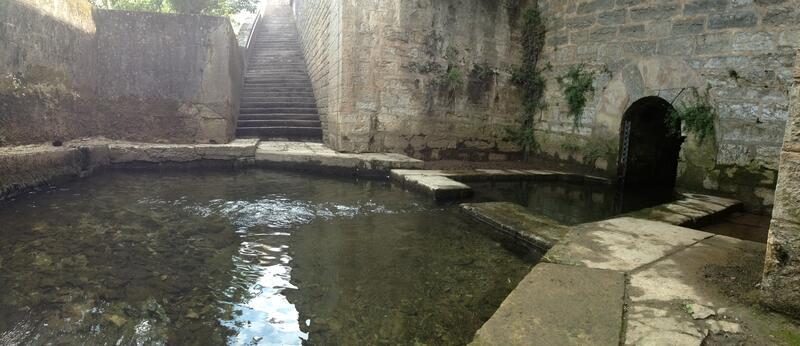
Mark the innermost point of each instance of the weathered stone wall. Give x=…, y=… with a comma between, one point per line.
x=402, y=76
x=47, y=79
x=782, y=269
x=742, y=50
x=172, y=77
x=319, y=24
x=69, y=71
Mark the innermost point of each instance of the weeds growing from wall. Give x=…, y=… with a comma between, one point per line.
x=697, y=117
x=529, y=78
x=576, y=83
x=452, y=79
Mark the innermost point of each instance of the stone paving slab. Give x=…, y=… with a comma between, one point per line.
x=315, y=156
x=441, y=188
x=622, y=244
x=690, y=296
x=515, y=220
x=559, y=305
x=127, y=152
x=689, y=210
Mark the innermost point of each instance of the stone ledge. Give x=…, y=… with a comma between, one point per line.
x=317, y=157
x=448, y=184
x=28, y=166
x=691, y=210
x=536, y=231
x=130, y=152
x=559, y=305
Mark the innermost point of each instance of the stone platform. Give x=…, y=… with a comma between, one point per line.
x=640, y=282
x=316, y=157
x=445, y=185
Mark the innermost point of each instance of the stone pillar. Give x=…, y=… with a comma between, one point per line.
x=781, y=286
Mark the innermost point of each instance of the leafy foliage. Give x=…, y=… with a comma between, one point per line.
x=452, y=79
x=575, y=84
x=529, y=78
x=209, y=7
x=697, y=117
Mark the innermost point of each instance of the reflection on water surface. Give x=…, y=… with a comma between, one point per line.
x=243, y=258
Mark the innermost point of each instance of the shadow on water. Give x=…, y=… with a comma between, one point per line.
x=244, y=257
x=572, y=203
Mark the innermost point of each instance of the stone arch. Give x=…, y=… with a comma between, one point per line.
x=666, y=78
x=649, y=145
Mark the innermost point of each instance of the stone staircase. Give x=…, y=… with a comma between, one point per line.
x=277, y=98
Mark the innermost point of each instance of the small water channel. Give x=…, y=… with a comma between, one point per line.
x=244, y=258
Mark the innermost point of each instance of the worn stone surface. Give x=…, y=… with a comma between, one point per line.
x=404, y=76
x=441, y=188
x=538, y=231
x=126, y=152
x=559, y=305
x=68, y=70
x=699, y=293
x=622, y=244
x=782, y=267
x=692, y=210
x=24, y=167
x=316, y=156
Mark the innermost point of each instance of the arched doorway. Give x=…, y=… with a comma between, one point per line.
x=649, y=146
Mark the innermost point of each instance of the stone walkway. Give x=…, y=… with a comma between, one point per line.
x=639, y=282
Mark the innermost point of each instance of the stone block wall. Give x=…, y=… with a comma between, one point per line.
x=319, y=24
x=782, y=268
x=401, y=76
x=68, y=71
x=741, y=52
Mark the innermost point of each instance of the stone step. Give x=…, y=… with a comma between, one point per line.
x=278, y=116
x=287, y=110
x=268, y=93
x=271, y=132
x=277, y=89
x=306, y=99
x=279, y=123
x=278, y=83
x=272, y=105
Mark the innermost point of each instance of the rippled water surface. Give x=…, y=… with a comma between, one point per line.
x=244, y=258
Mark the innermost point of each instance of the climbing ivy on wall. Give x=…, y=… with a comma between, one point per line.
x=576, y=83
x=697, y=117
x=529, y=78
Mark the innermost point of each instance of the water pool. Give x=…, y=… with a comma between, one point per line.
x=571, y=203
x=245, y=257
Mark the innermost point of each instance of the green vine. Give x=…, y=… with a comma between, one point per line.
x=697, y=117
x=529, y=78
x=575, y=84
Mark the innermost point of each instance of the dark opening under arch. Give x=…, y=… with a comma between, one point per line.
x=649, y=146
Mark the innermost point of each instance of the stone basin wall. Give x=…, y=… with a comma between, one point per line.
x=68, y=70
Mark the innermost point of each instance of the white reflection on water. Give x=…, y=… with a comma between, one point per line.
x=268, y=318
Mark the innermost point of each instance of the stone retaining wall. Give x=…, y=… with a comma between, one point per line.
x=782, y=268
x=742, y=52
x=404, y=76
x=68, y=70
x=318, y=22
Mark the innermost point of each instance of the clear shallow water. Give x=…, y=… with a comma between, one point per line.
x=571, y=203
x=244, y=258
